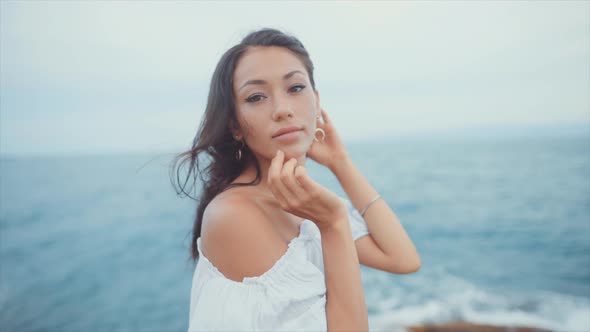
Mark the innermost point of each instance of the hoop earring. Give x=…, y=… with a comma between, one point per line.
x=321, y=132
x=239, y=152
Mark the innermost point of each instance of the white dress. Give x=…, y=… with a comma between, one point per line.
x=290, y=296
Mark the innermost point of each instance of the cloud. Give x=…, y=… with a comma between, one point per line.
x=414, y=66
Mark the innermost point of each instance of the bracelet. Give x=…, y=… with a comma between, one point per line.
x=368, y=205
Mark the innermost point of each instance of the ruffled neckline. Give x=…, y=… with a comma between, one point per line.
x=304, y=233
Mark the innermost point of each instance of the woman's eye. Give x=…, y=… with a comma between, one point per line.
x=253, y=99
x=298, y=86
x=257, y=98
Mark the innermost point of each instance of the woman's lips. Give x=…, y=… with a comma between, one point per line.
x=289, y=137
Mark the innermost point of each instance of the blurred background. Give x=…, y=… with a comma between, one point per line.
x=472, y=119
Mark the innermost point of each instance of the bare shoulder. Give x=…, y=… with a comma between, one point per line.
x=237, y=237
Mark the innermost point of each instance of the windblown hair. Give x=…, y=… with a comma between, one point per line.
x=214, y=138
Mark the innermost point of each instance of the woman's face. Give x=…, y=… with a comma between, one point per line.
x=273, y=91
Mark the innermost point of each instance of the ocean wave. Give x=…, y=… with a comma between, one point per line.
x=441, y=297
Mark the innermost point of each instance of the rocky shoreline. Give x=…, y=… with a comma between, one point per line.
x=460, y=326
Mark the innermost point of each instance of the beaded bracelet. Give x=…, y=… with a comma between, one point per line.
x=368, y=205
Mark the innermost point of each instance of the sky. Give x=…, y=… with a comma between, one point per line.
x=115, y=76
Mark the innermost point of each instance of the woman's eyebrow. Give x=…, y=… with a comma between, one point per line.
x=262, y=82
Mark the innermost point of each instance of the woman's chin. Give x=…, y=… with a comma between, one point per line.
x=292, y=152
x=297, y=150
x=297, y=156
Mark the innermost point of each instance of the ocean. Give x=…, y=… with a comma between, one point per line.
x=502, y=226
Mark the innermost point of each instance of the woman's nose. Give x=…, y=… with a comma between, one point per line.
x=282, y=112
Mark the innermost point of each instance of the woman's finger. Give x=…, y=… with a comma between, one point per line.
x=327, y=123
x=325, y=117
x=274, y=176
x=308, y=185
x=288, y=177
x=321, y=118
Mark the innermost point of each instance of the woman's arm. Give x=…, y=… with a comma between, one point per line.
x=345, y=300
x=300, y=195
x=384, y=227
x=388, y=247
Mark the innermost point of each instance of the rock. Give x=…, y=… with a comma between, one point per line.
x=460, y=326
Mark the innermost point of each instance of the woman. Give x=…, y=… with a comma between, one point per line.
x=277, y=250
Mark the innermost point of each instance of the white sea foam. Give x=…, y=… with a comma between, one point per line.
x=414, y=301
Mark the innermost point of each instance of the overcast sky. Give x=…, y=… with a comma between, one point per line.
x=82, y=76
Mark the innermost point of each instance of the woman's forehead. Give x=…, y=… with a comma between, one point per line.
x=265, y=63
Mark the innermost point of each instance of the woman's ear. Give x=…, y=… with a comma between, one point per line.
x=235, y=130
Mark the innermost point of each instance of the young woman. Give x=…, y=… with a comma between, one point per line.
x=278, y=251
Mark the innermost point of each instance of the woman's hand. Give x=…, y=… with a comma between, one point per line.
x=331, y=151
x=298, y=194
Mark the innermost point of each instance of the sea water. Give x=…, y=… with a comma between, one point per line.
x=101, y=243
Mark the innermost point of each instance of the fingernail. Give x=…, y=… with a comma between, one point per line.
x=279, y=153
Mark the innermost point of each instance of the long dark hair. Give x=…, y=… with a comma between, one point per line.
x=214, y=140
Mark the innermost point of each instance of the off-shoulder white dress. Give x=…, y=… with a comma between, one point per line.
x=290, y=296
